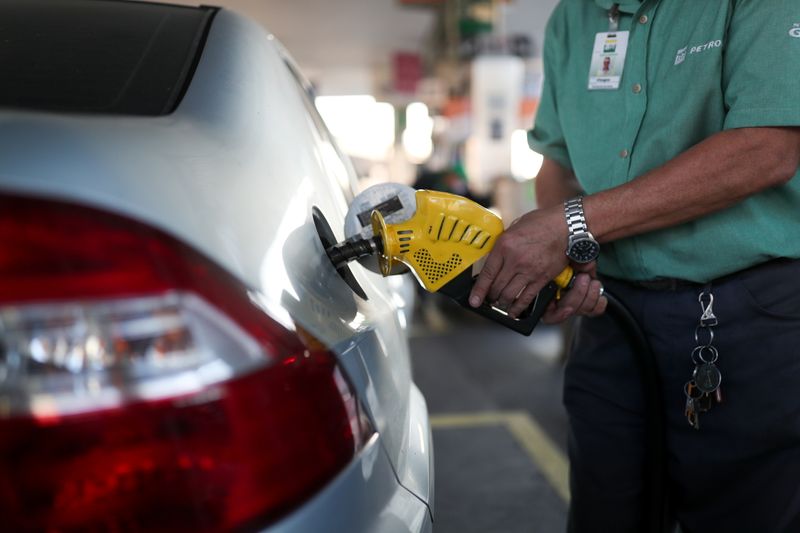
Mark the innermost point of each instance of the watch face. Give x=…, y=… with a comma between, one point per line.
x=584, y=251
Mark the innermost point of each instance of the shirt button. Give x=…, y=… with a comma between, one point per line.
x=637, y=88
x=643, y=19
x=623, y=154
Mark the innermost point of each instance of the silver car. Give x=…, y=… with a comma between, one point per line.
x=176, y=351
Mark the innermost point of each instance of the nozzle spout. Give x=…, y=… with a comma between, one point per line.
x=344, y=252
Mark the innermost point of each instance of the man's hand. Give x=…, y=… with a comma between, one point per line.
x=524, y=259
x=584, y=298
x=527, y=256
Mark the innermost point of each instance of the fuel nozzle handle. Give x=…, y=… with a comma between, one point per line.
x=459, y=290
x=344, y=252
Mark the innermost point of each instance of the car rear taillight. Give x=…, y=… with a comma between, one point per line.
x=142, y=387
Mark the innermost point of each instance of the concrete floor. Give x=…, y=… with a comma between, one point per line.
x=499, y=428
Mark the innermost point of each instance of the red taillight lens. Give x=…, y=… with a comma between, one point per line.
x=142, y=389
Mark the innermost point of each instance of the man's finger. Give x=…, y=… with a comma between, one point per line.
x=572, y=300
x=525, y=299
x=600, y=308
x=485, y=279
x=592, y=295
x=549, y=316
x=511, y=292
x=501, y=290
x=558, y=314
x=577, y=294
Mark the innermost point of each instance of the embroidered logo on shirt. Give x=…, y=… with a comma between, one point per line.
x=683, y=52
x=681, y=57
x=795, y=31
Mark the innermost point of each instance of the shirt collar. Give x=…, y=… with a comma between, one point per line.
x=625, y=6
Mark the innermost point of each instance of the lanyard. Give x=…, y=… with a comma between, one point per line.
x=613, y=18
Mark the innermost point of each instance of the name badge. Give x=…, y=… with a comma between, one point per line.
x=608, y=60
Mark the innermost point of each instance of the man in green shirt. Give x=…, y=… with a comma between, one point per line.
x=678, y=123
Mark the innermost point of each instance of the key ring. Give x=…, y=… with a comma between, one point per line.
x=698, y=356
x=709, y=332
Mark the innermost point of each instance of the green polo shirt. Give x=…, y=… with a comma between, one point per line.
x=693, y=68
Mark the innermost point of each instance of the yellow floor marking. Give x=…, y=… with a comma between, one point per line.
x=541, y=450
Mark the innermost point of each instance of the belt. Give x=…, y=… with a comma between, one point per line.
x=664, y=284
x=677, y=284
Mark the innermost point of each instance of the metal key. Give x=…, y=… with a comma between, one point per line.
x=693, y=394
x=703, y=403
x=691, y=414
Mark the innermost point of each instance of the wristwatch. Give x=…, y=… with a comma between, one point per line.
x=582, y=246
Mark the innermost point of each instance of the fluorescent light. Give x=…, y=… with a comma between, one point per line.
x=525, y=163
x=363, y=127
x=417, y=137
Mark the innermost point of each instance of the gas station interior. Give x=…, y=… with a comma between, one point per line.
x=240, y=255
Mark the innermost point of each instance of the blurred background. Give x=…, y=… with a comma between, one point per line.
x=437, y=93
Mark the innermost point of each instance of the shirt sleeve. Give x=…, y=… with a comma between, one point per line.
x=546, y=136
x=761, y=64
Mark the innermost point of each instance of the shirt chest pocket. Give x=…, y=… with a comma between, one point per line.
x=685, y=58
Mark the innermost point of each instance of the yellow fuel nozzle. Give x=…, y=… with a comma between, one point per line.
x=446, y=235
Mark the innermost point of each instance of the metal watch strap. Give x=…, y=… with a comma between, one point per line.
x=581, y=246
x=576, y=221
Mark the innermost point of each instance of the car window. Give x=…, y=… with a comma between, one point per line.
x=81, y=56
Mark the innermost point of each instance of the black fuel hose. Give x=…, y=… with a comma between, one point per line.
x=655, y=463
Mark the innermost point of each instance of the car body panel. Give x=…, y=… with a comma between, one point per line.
x=169, y=172
x=384, y=507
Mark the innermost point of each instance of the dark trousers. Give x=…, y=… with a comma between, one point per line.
x=740, y=472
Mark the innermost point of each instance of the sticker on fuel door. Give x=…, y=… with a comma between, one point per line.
x=608, y=60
